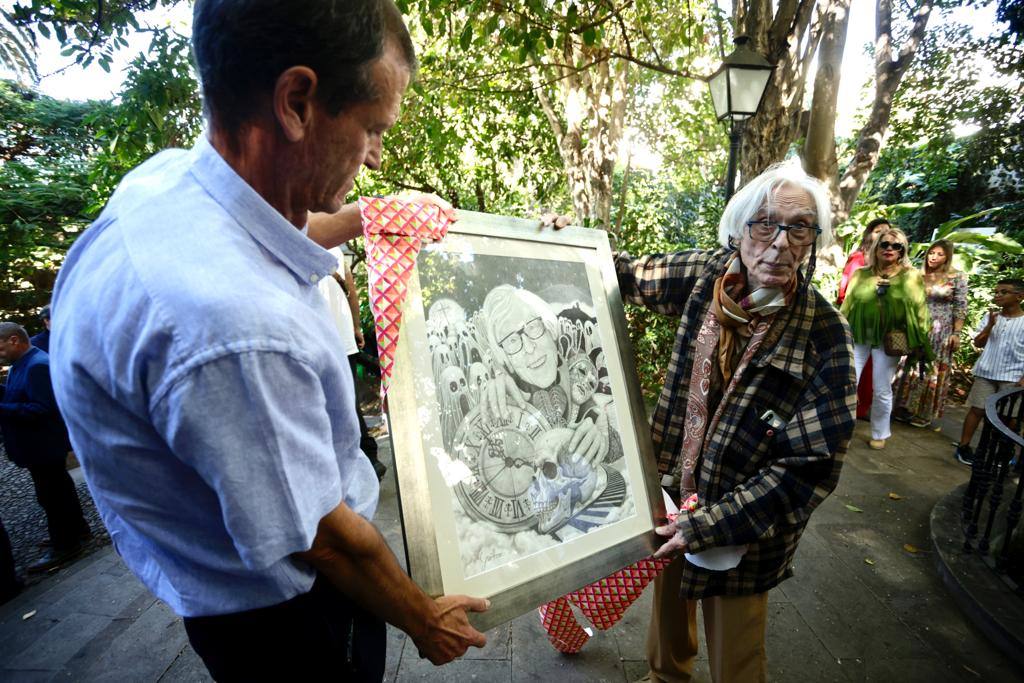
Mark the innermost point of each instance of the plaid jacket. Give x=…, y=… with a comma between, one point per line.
x=757, y=485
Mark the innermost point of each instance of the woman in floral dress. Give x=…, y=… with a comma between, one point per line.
x=921, y=398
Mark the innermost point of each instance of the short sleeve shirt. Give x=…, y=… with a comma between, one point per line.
x=205, y=387
x=341, y=311
x=1002, y=357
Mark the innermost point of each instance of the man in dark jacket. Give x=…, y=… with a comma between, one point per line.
x=35, y=438
x=42, y=340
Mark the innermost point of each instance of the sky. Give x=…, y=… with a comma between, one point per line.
x=75, y=83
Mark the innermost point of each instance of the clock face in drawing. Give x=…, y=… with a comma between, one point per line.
x=501, y=456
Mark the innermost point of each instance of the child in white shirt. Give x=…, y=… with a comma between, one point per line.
x=1001, y=364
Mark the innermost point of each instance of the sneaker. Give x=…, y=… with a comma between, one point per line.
x=53, y=559
x=876, y=444
x=920, y=422
x=964, y=455
x=84, y=536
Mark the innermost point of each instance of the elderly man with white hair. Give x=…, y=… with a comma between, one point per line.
x=755, y=416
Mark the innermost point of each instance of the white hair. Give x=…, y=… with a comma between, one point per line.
x=761, y=192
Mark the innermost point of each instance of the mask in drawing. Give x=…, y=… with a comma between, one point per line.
x=478, y=376
x=466, y=345
x=442, y=358
x=454, y=402
x=576, y=345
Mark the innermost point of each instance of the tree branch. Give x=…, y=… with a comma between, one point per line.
x=883, y=33
x=815, y=32
x=565, y=71
x=650, y=43
x=756, y=23
x=802, y=24
x=614, y=12
x=549, y=111
x=660, y=68
x=99, y=24
x=625, y=35
x=783, y=24
x=504, y=72
x=530, y=19
x=915, y=37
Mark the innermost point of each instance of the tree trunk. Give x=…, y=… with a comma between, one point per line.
x=789, y=40
x=819, y=154
x=587, y=111
x=888, y=75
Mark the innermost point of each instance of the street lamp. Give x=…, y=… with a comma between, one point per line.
x=736, y=91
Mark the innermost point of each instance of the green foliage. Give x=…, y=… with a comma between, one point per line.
x=158, y=108
x=479, y=147
x=474, y=131
x=62, y=160
x=17, y=47
x=87, y=30
x=46, y=147
x=925, y=162
x=658, y=218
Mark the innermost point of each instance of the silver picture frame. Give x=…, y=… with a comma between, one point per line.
x=498, y=504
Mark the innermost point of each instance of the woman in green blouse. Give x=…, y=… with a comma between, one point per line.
x=888, y=295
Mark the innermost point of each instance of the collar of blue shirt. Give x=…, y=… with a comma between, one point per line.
x=25, y=357
x=307, y=260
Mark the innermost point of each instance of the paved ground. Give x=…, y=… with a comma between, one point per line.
x=25, y=521
x=866, y=603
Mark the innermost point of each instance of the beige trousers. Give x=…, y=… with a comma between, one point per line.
x=733, y=626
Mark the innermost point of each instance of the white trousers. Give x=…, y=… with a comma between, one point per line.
x=883, y=369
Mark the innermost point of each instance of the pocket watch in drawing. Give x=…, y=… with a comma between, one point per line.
x=500, y=454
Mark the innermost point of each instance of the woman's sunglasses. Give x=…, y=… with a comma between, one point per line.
x=895, y=246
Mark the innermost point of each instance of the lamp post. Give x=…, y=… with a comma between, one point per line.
x=736, y=91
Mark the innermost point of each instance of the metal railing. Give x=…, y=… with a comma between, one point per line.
x=989, y=520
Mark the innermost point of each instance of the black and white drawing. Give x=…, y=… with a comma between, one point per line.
x=524, y=403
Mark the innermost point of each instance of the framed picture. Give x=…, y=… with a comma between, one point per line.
x=522, y=450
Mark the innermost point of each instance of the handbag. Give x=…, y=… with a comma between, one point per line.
x=894, y=342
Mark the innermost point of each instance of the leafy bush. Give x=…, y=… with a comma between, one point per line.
x=659, y=218
x=46, y=146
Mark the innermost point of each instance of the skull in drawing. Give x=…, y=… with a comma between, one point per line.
x=563, y=481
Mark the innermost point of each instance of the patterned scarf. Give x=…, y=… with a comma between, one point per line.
x=738, y=320
x=726, y=324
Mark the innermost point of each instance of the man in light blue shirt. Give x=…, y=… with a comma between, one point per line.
x=203, y=382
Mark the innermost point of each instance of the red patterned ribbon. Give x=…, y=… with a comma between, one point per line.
x=564, y=632
x=394, y=231
x=602, y=602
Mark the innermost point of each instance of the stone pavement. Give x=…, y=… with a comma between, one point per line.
x=25, y=521
x=866, y=603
